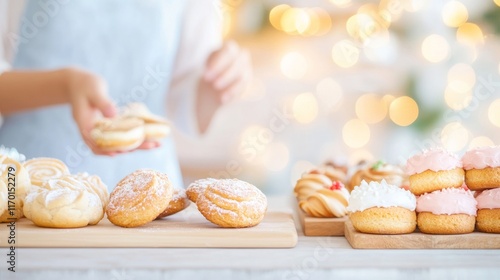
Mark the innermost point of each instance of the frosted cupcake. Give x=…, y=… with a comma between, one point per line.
x=434, y=170
x=482, y=168
x=447, y=211
x=380, y=208
x=378, y=171
x=488, y=213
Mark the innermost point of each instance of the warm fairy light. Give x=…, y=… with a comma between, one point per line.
x=390, y=10
x=329, y=93
x=295, y=20
x=321, y=22
x=454, y=136
x=414, y=5
x=345, y=54
x=302, y=21
x=298, y=169
x=403, y=111
x=360, y=155
x=464, y=74
x=470, y=34
x=276, y=156
x=494, y=112
x=275, y=15
x=356, y=133
x=480, y=141
x=454, y=14
x=305, y=108
x=341, y=3
x=294, y=65
x=435, y=48
x=457, y=96
x=497, y=2
x=366, y=24
x=371, y=108
x=388, y=98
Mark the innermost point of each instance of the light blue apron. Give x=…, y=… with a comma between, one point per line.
x=130, y=43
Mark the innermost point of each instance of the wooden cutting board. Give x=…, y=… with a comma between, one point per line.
x=418, y=240
x=313, y=226
x=184, y=229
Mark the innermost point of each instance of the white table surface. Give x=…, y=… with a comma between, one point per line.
x=312, y=258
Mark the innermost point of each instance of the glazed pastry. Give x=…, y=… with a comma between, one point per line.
x=178, y=203
x=232, y=203
x=327, y=202
x=13, y=173
x=198, y=187
x=434, y=170
x=377, y=172
x=139, y=198
x=446, y=211
x=42, y=169
x=381, y=208
x=310, y=183
x=119, y=134
x=488, y=213
x=63, y=203
x=3, y=197
x=482, y=168
x=94, y=184
x=155, y=127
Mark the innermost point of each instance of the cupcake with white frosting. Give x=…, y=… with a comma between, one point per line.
x=381, y=208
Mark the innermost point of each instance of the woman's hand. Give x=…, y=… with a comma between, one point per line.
x=88, y=97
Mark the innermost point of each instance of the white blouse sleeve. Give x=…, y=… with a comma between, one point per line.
x=10, y=16
x=201, y=34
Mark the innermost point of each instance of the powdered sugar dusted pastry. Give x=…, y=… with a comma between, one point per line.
x=382, y=209
x=118, y=134
x=63, y=203
x=482, y=168
x=310, y=183
x=14, y=176
x=3, y=197
x=376, y=172
x=43, y=169
x=232, y=203
x=155, y=127
x=94, y=184
x=198, y=187
x=178, y=203
x=139, y=198
x=446, y=211
x=327, y=202
x=434, y=170
x=488, y=213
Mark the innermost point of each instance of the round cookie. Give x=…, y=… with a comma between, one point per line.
x=139, y=198
x=198, y=187
x=63, y=203
x=118, y=135
x=14, y=175
x=43, y=169
x=232, y=203
x=178, y=203
x=155, y=127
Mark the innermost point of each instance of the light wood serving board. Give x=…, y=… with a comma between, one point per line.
x=313, y=226
x=418, y=240
x=184, y=229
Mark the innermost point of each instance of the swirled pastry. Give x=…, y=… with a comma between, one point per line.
x=94, y=184
x=14, y=175
x=178, y=203
x=42, y=169
x=198, y=187
x=232, y=203
x=327, y=202
x=310, y=183
x=139, y=198
x=63, y=203
x=376, y=172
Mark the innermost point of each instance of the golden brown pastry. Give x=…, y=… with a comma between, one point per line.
x=3, y=197
x=178, y=203
x=310, y=183
x=63, y=203
x=232, y=203
x=376, y=172
x=198, y=187
x=16, y=179
x=42, y=169
x=327, y=202
x=118, y=134
x=139, y=198
x=155, y=127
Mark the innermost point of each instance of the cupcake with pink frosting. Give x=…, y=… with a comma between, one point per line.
x=434, y=170
x=447, y=211
x=488, y=213
x=482, y=168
